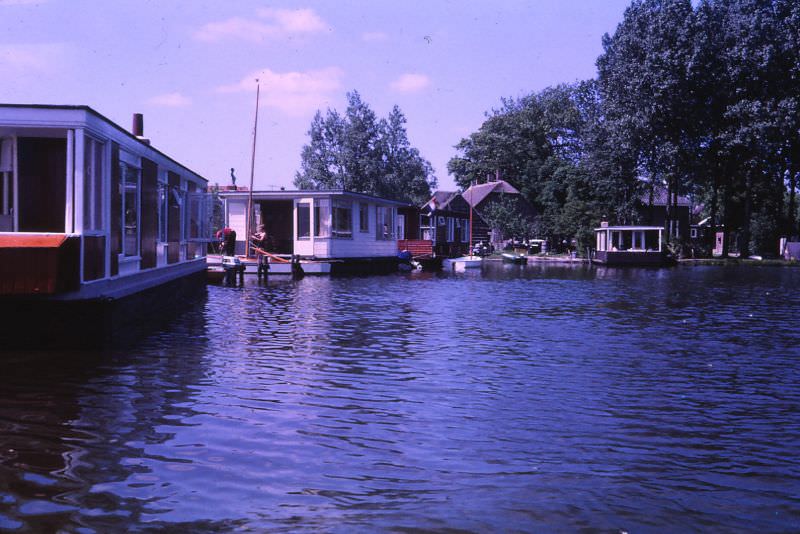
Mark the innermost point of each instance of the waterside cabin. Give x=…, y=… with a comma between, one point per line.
x=92, y=214
x=629, y=245
x=341, y=231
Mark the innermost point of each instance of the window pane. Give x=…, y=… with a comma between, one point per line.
x=98, y=186
x=130, y=209
x=343, y=219
x=322, y=217
x=303, y=221
x=88, y=204
x=163, y=210
x=385, y=222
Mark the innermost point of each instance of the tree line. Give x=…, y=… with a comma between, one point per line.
x=692, y=100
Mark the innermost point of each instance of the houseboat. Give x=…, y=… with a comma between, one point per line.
x=630, y=245
x=97, y=227
x=331, y=231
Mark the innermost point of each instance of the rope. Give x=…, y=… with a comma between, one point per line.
x=270, y=254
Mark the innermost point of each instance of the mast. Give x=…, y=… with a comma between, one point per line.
x=469, y=252
x=249, y=222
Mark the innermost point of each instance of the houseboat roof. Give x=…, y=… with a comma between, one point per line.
x=87, y=109
x=313, y=193
x=635, y=228
x=477, y=193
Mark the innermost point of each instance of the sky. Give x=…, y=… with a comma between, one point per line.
x=190, y=67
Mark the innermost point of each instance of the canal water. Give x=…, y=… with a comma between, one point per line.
x=528, y=399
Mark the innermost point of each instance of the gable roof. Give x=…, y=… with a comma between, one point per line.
x=441, y=199
x=478, y=193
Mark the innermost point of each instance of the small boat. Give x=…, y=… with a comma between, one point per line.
x=519, y=259
x=464, y=262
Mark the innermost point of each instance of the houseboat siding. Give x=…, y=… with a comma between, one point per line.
x=72, y=156
x=359, y=244
x=629, y=258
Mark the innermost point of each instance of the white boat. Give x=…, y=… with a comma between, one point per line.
x=462, y=263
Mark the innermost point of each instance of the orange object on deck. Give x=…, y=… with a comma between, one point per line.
x=417, y=247
x=33, y=264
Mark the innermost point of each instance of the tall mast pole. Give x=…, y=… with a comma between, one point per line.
x=469, y=252
x=248, y=225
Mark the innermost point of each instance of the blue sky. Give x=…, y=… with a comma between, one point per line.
x=190, y=67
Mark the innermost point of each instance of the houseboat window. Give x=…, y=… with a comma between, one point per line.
x=198, y=216
x=303, y=221
x=163, y=211
x=638, y=239
x=322, y=217
x=620, y=240
x=385, y=222
x=601, y=241
x=129, y=191
x=425, y=226
x=342, y=218
x=651, y=240
x=401, y=226
x=92, y=185
x=6, y=185
x=363, y=217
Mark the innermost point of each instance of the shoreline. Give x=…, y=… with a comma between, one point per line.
x=718, y=262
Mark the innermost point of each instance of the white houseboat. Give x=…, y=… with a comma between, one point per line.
x=629, y=245
x=331, y=231
x=92, y=214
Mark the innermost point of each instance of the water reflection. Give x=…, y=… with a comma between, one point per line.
x=509, y=398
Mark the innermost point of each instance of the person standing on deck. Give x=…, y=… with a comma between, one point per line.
x=261, y=242
x=227, y=239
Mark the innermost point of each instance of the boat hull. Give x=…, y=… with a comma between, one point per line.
x=463, y=263
x=515, y=258
x=633, y=259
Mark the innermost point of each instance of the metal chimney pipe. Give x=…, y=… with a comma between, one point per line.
x=138, y=125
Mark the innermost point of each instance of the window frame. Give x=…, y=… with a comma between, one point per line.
x=342, y=219
x=124, y=208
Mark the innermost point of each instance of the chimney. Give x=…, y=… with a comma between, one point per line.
x=138, y=128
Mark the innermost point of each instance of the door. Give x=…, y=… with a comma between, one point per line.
x=42, y=183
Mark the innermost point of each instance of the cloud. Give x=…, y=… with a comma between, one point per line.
x=30, y=58
x=372, y=37
x=21, y=2
x=170, y=100
x=294, y=20
x=410, y=83
x=271, y=24
x=294, y=93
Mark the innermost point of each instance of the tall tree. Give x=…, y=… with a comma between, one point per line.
x=648, y=89
x=359, y=152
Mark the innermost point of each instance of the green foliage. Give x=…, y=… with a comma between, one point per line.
x=361, y=153
x=702, y=100
x=509, y=217
x=542, y=145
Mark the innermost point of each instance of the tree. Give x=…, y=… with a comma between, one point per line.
x=357, y=152
x=648, y=88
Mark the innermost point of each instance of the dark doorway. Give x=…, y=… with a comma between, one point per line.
x=277, y=218
x=42, y=182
